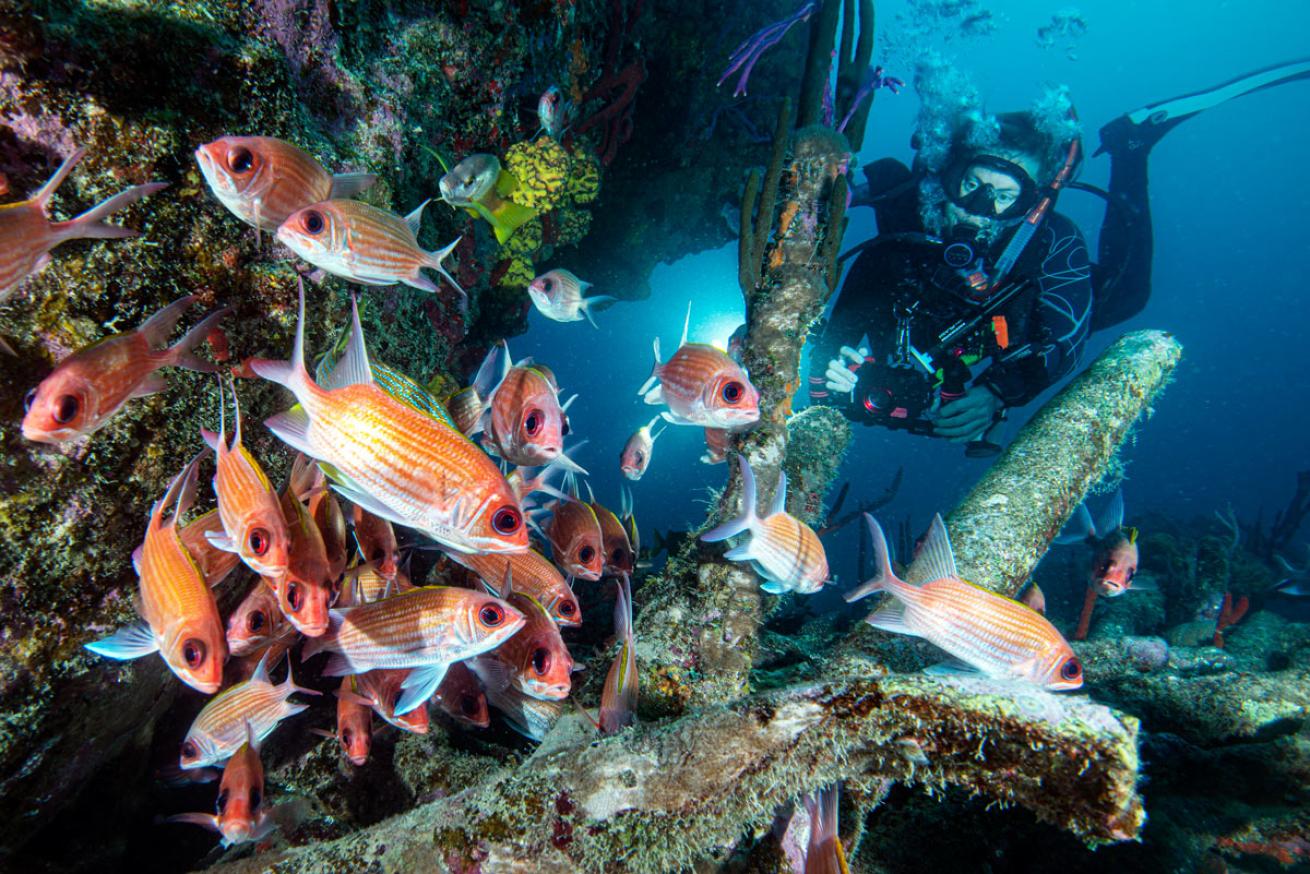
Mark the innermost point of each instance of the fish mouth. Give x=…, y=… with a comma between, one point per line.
x=547, y=691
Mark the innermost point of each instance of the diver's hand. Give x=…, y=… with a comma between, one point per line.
x=967, y=417
x=839, y=376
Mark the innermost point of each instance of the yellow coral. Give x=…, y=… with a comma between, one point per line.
x=542, y=169
x=584, y=178
x=571, y=226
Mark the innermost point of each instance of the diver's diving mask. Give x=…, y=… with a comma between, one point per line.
x=969, y=193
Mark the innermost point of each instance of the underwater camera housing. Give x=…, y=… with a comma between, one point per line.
x=895, y=397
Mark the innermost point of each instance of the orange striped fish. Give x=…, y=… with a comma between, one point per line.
x=377, y=542
x=617, y=553
x=253, y=526
x=354, y=724
x=524, y=421
x=181, y=618
x=535, y=661
x=618, y=699
x=256, y=622
x=824, y=853
x=425, y=628
x=530, y=717
x=382, y=690
x=716, y=446
x=783, y=549
x=91, y=385
x=532, y=573
x=562, y=297
x=461, y=697
x=310, y=486
x=27, y=235
x=365, y=244
x=636, y=454
x=364, y=583
x=575, y=540
x=306, y=591
x=392, y=460
x=221, y=727
x=997, y=635
x=262, y=180
x=702, y=386
x=241, y=814
x=214, y=563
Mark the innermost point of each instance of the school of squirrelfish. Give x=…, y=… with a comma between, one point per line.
x=377, y=461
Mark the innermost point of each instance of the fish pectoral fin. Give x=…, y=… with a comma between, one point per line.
x=891, y=617
x=421, y=282
x=292, y=428
x=419, y=686
x=737, y=553
x=773, y=587
x=367, y=502
x=206, y=820
x=152, y=384
x=951, y=668
x=337, y=665
x=131, y=642
x=220, y=540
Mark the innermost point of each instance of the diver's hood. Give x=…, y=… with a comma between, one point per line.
x=470, y=180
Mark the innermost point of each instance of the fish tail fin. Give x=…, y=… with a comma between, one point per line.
x=822, y=808
x=155, y=330
x=747, y=517
x=655, y=435
x=436, y=259
x=289, y=374
x=599, y=301
x=885, y=577
x=91, y=224
x=507, y=218
x=182, y=353
x=1078, y=528
x=492, y=370
x=45, y=192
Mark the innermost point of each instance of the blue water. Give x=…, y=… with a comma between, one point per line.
x=1230, y=197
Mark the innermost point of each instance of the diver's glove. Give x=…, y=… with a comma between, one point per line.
x=969, y=416
x=841, y=375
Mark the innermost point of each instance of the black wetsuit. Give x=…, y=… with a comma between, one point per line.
x=1047, y=324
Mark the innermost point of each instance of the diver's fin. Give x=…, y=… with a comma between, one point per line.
x=1142, y=128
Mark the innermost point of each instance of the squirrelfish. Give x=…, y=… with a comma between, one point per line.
x=253, y=526
x=382, y=690
x=561, y=297
x=221, y=727
x=92, y=384
x=535, y=660
x=616, y=550
x=364, y=583
x=782, y=549
x=27, y=235
x=241, y=815
x=1114, y=547
x=530, y=717
x=354, y=724
x=716, y=445
x=575, y=540
x=531, y=573
x=256, y=622
x=391, y=459
x=262, y=180
x=635, y=457
x=364, y=244
x=310, y=486
x=377, y=542
x=825, y=854
x=702, y=386
x=425, y=628
x=461, y=697
x=524, y=422
x=181, y=617
x=618, y=699
x=553, y=112
x=215, y=564
x=306, y=590
x=997, y=635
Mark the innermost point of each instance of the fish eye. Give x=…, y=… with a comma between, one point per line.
x=256, y=621
x=295, y=596
x=540, y=660
x=567, y=608
x=313, y=222
x=193, y=653
x=468, y=704
x=222, y=801
x=255, y=797
x=566, y=428
x=28, y=400
x=507, y=520
x=1071, y=670
x=189, y=751
x=259, y=541
x=491, y=615
x=617, y=557
x=377, y=554
x=65, y=409
x=586, y=554
x=532, y=424
x=640, y=457
x=240, y=160
x=346, y=736
x=547, y=284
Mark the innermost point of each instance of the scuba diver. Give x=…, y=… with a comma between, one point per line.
x=973, y=266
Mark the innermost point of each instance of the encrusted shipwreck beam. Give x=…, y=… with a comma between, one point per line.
x=662, y=797
x=1004, y=526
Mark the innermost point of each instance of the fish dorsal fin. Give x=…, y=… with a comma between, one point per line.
x=1112, y=518
x=52, y=184
x=415, y=218
x=936, y=561
x=686, y=325
x=353, y=368
x=591, y=496
x=1132, y=536
x=261, y=670
x=779, y=504
x=507, y=587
